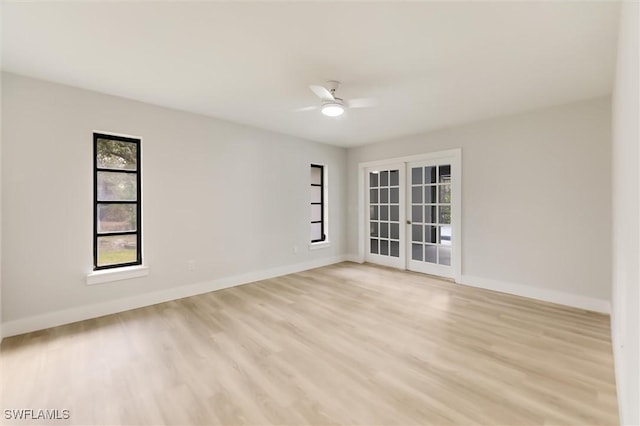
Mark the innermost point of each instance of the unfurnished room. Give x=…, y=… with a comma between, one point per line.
x=319, y=212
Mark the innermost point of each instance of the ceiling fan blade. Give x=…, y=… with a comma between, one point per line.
x=362, y=103
x=303, y=109
x=322, y=92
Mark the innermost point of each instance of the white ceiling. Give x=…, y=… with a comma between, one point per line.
x=429, y=64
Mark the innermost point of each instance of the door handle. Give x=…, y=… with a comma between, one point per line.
x=408, y=222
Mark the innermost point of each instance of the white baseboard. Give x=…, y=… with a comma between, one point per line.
x=546, y=295
x=67, y=316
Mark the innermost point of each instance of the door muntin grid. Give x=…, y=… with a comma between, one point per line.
x=430, y=212
x=384, y=213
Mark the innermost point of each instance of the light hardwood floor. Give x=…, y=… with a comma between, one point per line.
x=348, y=344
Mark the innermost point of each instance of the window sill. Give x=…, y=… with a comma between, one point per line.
x=116, y=274
x=319, y=245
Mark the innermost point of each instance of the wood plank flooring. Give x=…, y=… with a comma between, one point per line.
x=344, y=344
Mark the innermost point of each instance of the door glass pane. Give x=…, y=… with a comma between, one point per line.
x=430, y=254
x=394, y=178
x=394, y=195
x=430, y=234
x=430, y=174
x=445, y=193
x=373, y=212
x=394, y=231
x=374, y=246
x=429, y=214
x=117, y=249
x=444, y=255
x=416, y=233
x=445, y=214
x=394, y=248
x=416, y=194
x=373, y=196
x=384, y=178
x=416, y=214
x=444, y=175
x=384, y=229
x=384, y=212
x=384, y=195
x=394, y=213
x=416, y=176
x=429, y=194
x=373, y=229
x=384, y=247
x=416, y=252
x=373, y=180
x=445, y=235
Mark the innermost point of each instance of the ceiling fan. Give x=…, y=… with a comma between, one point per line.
x=333, y=106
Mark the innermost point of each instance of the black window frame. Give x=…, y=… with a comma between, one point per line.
x=321, y=204
x=96, y=202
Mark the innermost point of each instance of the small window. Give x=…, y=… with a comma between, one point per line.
x=318, y=221
x=117, y=208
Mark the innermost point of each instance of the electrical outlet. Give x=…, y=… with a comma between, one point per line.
x=191, y=265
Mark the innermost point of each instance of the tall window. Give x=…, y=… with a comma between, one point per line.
x=317, y=204
x=117, y=236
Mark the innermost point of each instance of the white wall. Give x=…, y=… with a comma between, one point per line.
x=536, y=208
x=233, y=198
x=625, y=327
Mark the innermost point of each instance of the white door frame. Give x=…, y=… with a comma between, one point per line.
x=455, y=156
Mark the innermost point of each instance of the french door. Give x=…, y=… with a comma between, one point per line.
x=385, y=214
x=429, y=239
x=413, y=215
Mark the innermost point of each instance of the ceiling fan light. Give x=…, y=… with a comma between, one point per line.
x=332, y=109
